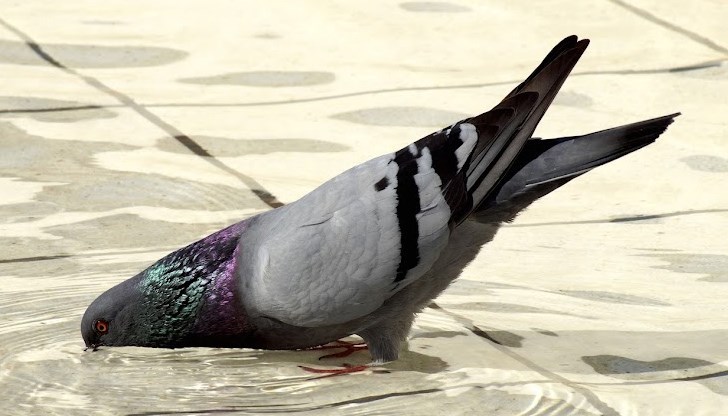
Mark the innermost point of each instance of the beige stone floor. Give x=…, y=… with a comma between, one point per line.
x=128, y=129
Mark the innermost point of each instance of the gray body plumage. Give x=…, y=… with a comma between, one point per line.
x=370, y=248
x=326, y=266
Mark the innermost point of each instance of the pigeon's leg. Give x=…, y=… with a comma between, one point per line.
x=385, y=337
x=383, y=346
x=383, y=340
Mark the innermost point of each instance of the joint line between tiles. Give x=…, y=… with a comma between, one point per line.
x=684, y=68
x=265, y=196
x=589, y=395
x=671, y=26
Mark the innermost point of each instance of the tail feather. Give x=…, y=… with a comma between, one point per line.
x=578, y=155
x=563, y=46
x=490, y=165
x=545, y=165
x=503, y=126
x=494, y=154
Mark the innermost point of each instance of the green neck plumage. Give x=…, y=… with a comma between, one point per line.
x=173, y=293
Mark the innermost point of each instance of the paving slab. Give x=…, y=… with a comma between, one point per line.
x=128, y=130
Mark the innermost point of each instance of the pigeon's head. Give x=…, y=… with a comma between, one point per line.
x=114, y=317
x=188, y=298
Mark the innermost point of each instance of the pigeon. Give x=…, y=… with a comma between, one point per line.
x=369, y=249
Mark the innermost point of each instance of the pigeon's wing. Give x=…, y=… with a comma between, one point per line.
x=341, y=251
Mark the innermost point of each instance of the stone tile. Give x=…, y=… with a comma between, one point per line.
x=606, y=297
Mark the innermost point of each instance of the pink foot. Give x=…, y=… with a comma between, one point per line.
x=331, y=372
x=349, y=348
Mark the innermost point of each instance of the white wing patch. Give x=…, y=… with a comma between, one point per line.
x=469, y=136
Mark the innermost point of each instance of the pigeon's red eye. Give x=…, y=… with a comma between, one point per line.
x=101, y=326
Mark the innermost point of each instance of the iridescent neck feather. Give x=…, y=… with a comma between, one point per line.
x=193, y=293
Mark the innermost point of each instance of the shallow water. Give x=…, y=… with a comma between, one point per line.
x=44, y=370
x=464, y=356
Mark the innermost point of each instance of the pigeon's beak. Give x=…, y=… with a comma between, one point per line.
x=93, y=346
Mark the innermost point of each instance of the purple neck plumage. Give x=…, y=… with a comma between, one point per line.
x=222, y=315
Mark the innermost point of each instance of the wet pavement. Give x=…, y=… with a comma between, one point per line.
x=128, y=131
